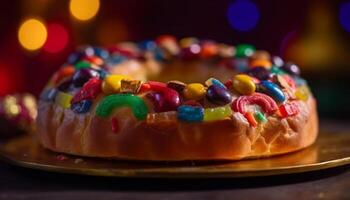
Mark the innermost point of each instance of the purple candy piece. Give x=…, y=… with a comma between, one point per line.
x=260, y=73
x=218, y=95
x=82, y=76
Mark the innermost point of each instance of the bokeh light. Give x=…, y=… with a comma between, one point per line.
x=84, y=9
x=243, y=15
x=57, y=38
x=344, y=15
x=5, y=82
x=32, y=34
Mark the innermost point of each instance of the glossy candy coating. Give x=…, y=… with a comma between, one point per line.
x=83, y=75
x=195, y=91
x=277, y=61
x=170, y=97
x=267, y=104
x=260, y=73
x=191, y=52
x=218, y=95
x=63, y=99
x=244, y=84
x=261, y=55
x=214, y=81
x=218, y=113
x=65, y=85
x=188, y=41
x=302, y=93
x=176, y=85
x=209, y=49
x=82, y=65
x=291, y=68
x=147, y=45
x=100, y=52
x=63, y=73
x=277, y=70
x=112, y=83
x=289, y=109
x=272, y=90
x=94, y=60
x=90, y=90
x=74, y=57
x=244, y=50
x=115, y=101
x=190, y=113
x=82, y=106
x=261, y=63
x=251, y=119
x=158, y=101
x=259, y=117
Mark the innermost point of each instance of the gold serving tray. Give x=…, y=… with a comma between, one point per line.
x=330, y=150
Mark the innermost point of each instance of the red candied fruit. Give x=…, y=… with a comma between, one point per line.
x=90, y=90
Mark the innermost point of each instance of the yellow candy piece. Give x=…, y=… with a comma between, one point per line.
x=112, y=83
x=212, y=114
x=63, y=99
x=195, y=91
x=187, y=42
x=244, y=84
x=302, y=93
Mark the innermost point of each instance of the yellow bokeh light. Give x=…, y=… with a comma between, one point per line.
x=32, y=34
x=84, y=9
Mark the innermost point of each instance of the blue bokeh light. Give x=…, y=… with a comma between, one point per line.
x=243, y=15
x=344, y=15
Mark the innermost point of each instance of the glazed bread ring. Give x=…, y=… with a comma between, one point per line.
x=169, y=100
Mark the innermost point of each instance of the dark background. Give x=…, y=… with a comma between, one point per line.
x=315, y=34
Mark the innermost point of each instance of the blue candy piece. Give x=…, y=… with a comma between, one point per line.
x=299, y=81
x=190, y=113
x=88, y=51
x=115, y=59
x=241, y=64
x=272, y=90
x=49, y=94
x=218, y=83
x=82, y=106
x=158, y=54
x=147, y=45
x=74, y=57
x=103, y=73
x=100, y=52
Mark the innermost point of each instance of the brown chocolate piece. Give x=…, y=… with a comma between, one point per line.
x=176, y=85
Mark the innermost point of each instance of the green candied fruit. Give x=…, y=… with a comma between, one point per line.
x=82, y=65
x=244, y=50
x=260, y=117
x=219, y=113
x=277, y=70
x=114, y=101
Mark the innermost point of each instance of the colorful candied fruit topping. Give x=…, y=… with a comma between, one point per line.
x=263, y=85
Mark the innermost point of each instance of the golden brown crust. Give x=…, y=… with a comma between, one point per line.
x=62, y=130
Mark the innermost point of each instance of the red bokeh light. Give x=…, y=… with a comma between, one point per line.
x=6, y=84
x=57, y=38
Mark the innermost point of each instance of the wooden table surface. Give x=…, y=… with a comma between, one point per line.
x=19, y=183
